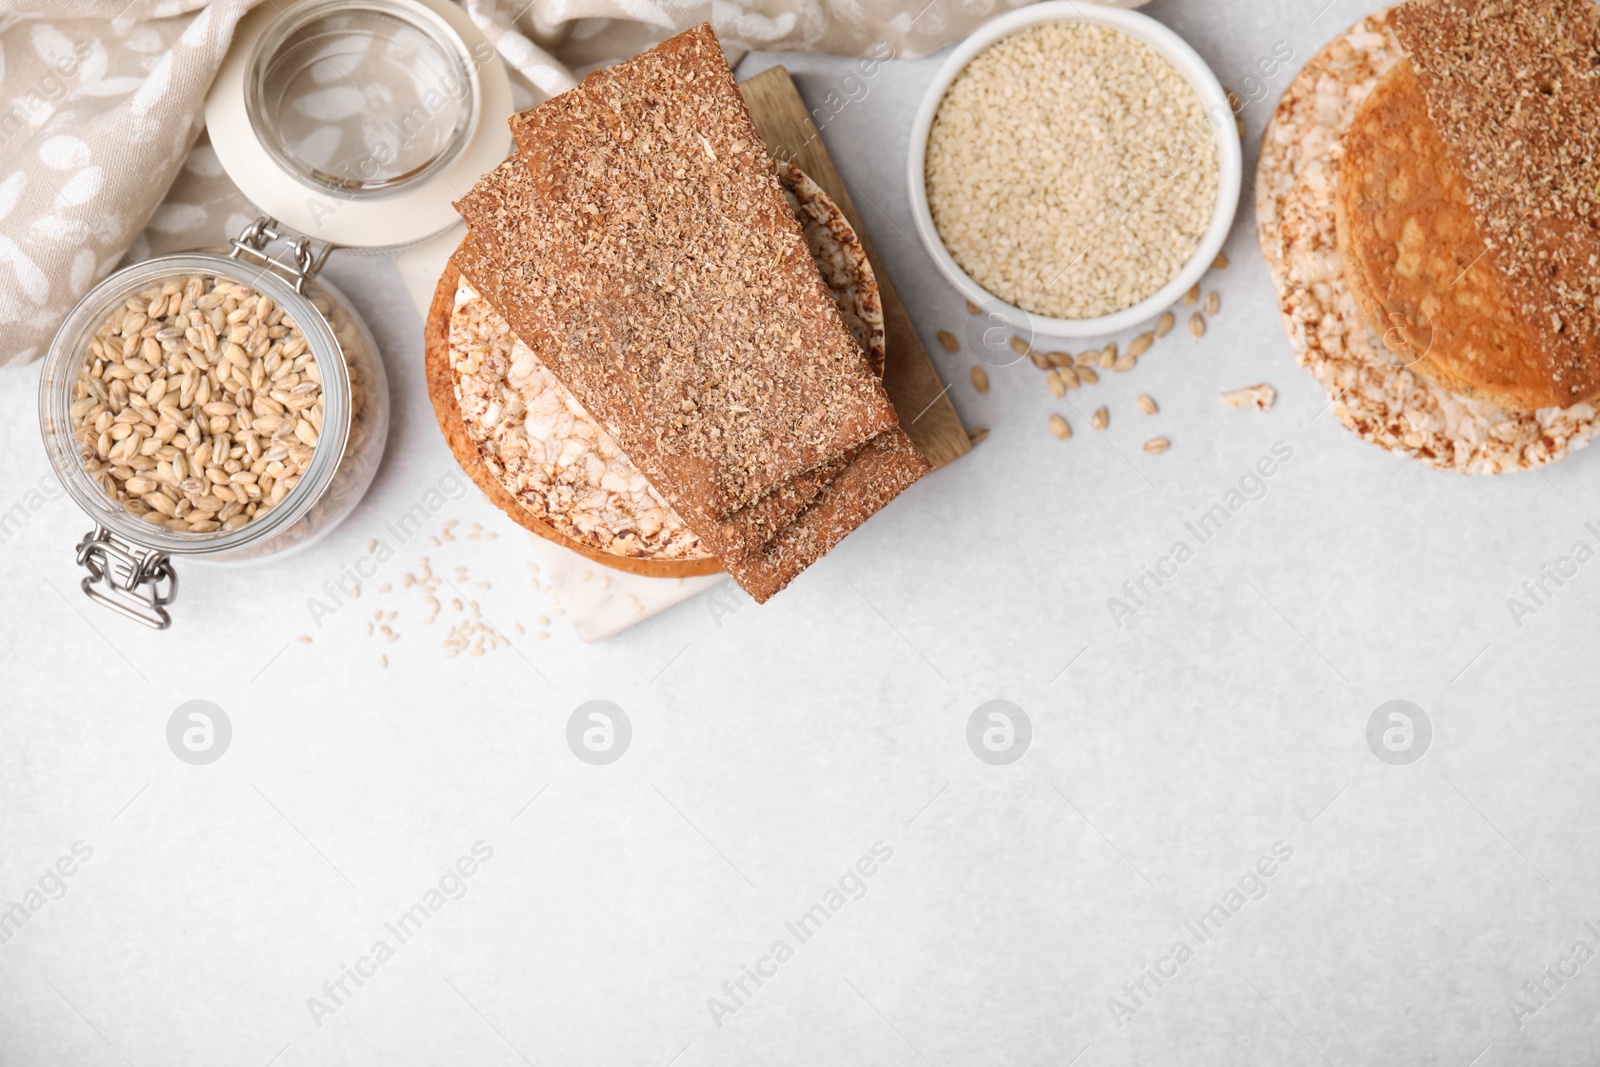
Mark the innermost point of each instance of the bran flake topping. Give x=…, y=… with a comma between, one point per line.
x=1513, y=87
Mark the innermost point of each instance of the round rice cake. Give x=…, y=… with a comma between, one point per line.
x=554, y=463
x=1297, y=186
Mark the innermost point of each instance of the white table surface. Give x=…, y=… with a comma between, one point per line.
x=773, y=746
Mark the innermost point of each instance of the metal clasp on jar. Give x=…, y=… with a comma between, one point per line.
x=251, y=247
x=128, y=579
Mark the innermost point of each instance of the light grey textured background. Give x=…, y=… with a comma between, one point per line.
x=772, y=747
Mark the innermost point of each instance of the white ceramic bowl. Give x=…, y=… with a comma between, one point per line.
x=1212, y=97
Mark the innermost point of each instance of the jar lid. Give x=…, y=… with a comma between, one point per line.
x=358, y=122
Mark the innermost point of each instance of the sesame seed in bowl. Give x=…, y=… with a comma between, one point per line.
x=1076, y=165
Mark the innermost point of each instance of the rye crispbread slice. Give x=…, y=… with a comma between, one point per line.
x=641, y=245
x=731, y=536
x=1513, y=88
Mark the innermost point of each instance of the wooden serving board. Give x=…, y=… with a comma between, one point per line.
x=920, y=399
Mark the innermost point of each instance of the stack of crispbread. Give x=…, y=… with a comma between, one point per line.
x=641, y=248
x=1429, y=205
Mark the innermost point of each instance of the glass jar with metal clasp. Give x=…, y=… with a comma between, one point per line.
x=223, y=405
x=231, y=405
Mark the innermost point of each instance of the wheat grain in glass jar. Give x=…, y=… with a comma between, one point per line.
x=1072, y=170
x=227, y=406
